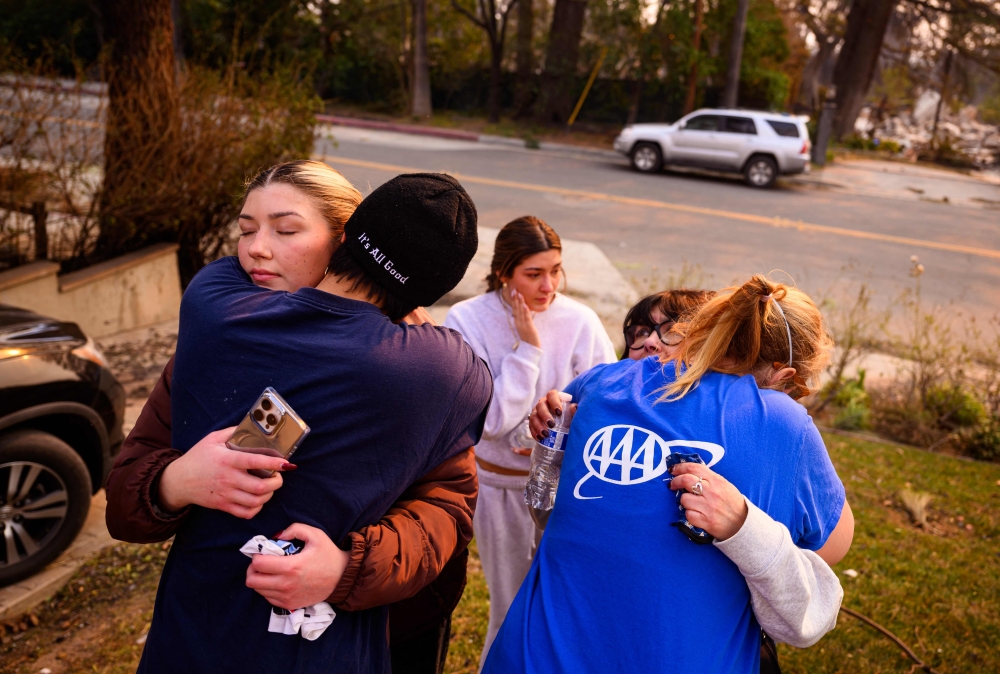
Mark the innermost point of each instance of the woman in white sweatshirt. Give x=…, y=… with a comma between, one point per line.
x=534, y=339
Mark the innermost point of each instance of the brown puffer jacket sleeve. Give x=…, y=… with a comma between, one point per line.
x=407, y=549
x=132, y=514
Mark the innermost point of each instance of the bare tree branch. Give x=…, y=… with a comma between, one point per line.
x=469, y=15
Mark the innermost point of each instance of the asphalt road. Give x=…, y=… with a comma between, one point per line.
x=653, y=227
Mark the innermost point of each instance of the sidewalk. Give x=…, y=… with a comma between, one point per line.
x=16, y=600
x=909, y=182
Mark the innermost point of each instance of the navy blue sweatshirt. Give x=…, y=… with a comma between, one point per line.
x=386, y=403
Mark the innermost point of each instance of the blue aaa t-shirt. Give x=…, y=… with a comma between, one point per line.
x=386, y=403
x=615, y=588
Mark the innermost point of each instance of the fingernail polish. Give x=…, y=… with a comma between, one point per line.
x=545, y=434
x=285, y=467
x=557, y=412
x=550, y=423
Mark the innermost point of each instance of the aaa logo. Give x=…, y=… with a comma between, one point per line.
x=627, y=455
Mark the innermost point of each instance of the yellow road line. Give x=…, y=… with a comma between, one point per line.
x=684, y=208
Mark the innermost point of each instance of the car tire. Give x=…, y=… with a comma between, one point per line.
x=760, y=171
x=51, y=499
x=647, y=158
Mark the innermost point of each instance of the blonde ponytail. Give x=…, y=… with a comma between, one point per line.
x=744, y=330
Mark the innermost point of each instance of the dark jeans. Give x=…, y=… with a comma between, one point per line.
x=420, y=627
x=768, y=656
x=424, y=653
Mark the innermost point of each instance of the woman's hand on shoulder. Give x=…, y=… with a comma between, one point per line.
x=213, y=476
x=720, y=509
x=523, y=322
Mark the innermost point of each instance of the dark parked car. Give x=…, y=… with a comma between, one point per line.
x=61, y=413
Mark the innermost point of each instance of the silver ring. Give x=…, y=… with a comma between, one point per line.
x=697, y=489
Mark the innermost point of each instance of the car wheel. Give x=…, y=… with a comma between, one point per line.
x=44, y=500
x=760, y=171
x=647, y=158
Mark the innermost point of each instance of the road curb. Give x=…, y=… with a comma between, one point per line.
x=455, y=134
x=18, y=599
x=564, y=148
x=452, y=134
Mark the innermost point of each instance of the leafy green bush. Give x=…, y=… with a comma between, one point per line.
x=854, y=405
x=954, y=407
x=984, y=441
x=890, y=146
x=856, y=142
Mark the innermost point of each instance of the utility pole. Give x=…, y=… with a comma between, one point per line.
x=732, y=90
x=944, y=93
x=825, y=127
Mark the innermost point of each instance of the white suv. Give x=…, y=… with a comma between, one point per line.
x=760, y=145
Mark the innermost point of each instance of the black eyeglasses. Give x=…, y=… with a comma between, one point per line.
x=636, y=335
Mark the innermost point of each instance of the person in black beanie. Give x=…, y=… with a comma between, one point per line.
x=408, y=243
x=387, y=402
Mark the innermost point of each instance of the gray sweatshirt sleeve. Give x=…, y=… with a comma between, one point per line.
x=796, y=596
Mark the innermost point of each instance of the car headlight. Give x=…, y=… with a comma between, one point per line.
x=90, y=351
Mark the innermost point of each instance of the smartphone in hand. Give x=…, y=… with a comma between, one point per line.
x=271, y=428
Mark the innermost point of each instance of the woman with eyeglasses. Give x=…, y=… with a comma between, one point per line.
x=649, y=324
x=616, y=584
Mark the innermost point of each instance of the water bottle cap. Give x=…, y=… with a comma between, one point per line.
x=566, y=397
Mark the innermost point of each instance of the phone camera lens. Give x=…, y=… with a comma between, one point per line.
x=266, y=404
x=258, y=415
x=271, y=420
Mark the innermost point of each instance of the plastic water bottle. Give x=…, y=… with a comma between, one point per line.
x=546, y=462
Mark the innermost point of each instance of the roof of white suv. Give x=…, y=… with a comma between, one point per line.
x=783, y=116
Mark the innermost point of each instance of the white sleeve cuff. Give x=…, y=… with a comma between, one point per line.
x=528, y=352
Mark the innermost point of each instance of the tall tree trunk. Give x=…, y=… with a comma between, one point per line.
x=555, y=100
x=693, y=76
x=496, y=73
x=525, y=56
x=421, y=94
x=866, y=24
x=178, y=36
x=143, y=116
x=633, y=108
x=731, y=93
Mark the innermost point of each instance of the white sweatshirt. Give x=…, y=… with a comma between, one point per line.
x=573, y=341
x=796, y=596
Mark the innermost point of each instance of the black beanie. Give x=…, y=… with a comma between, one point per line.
x=415, y=235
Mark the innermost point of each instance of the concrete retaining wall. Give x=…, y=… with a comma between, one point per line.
x=125, y=293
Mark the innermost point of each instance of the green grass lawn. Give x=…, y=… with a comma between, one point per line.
x=937, y=590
